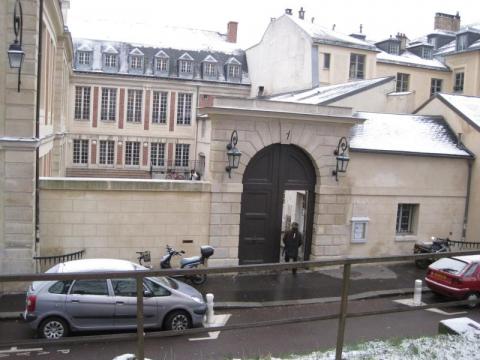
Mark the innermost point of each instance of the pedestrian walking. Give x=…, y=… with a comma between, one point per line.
x=292, y=240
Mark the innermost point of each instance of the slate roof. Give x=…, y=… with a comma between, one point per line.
x=405, y=134
x=323, y=95
x=323, y=35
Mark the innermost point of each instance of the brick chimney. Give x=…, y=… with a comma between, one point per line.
x=447, y=22
x=232, y=27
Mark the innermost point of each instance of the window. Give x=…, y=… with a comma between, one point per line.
x=435, y=86
x=459, y=79
x=184, y=109
x=84, y=57
x=209, y=69
x=134, y=106
x=402, y=82
x=156, y=289
x=233, y=71
x=427, y=53
x=136, y=62
x=433, y=41
x=107, y=152
x=124, y=287
x=462, y=42
x=393, y=48
x=157, y=154
x=357, y=66
x=80, y=151
x=406, y=218
x=159, y=110
x=90, y=287
x=185, y=66
x=60, y=287
x=326, y=61
x=182, y=154
x=132, y=153
x=82, y=103
x=162, y=65
x=110, y=60
x=359, y=229
x=109, y=104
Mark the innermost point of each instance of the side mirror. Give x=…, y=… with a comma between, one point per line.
x=147, y=293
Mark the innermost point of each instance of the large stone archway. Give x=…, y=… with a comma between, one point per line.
x=273, y=170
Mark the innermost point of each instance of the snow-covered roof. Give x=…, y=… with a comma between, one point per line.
x=451, y=47
x=327, y=94
x=408, y=58
x=323, y=35
x=210, y=58
x=161, y=54
x=88, y=265
x=468, y=106
x=416, y=134
x=136, y=52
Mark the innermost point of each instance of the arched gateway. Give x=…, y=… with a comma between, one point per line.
x=270, y=173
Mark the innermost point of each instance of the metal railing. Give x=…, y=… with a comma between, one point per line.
x=55, y=259
x=177, y=169
x=342, y=316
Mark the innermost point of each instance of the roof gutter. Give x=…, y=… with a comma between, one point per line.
x=467, y=200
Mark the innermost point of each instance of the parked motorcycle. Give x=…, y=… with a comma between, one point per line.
x=437, y=245
x=188, y=263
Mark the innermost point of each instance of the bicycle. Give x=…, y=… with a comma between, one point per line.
x=144, y=257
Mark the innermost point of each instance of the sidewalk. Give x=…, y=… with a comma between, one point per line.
x=278, y=289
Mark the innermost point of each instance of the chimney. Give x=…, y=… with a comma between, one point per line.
x=360, y=35
x=447, y=22
x=301, y=13
x=288, y=11
x=232, y=31
x=403, y=41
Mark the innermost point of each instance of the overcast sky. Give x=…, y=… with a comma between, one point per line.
x=380, y=18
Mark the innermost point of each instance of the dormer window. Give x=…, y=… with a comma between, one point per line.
x=209, y=67
x=161, y=62
x=136, y=62
x=110, y=60
x=84, y=57
x=462, y=42
x=233, y=69
x=185, y=65
x=427, y=53
x=393, y=48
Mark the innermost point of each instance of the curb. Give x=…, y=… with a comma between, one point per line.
x=13, y=315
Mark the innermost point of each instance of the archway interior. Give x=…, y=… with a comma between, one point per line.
x=270, y=173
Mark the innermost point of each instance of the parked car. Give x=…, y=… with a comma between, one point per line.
x=456, y=277
x=55, y=308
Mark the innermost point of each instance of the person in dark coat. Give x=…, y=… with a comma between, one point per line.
x=292, y=240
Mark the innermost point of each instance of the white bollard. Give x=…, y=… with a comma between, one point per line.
x=210, y=313
x=417, y=293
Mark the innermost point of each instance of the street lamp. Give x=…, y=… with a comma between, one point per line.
x=15, y=51
x=342, y=157
x=233, y=154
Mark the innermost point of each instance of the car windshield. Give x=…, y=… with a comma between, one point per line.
x=165, y=281
x=452, y=266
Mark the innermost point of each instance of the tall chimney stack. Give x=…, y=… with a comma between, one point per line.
x=232, y=27
x=447, y=22
x=288, y=11
x=403, y=41
x=301, y=13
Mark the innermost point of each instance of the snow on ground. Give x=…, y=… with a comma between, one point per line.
x=442, y=347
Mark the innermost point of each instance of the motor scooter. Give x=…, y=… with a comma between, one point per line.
x=437, y=245
x=188, y=263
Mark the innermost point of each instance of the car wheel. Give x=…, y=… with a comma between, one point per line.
x=422, y=264
x=178, y=321
x=198, y=279
x=472, y=297
x=53, y=328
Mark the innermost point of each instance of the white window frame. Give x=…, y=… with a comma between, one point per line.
x=412, y=213
x=136, y=62
x=359, y=224
x=134, y=106
x=327, y=58
x=110, y=60
x=209, y=69
x=161, y=64
x=82, y=103
x=106, y=153
x=427, y=53
x=233, y=71
x=462, y=42
x=185, y=66
x=393, y=48
x=80, y=152
x=459, y=81
x=157, y=154
x=403, y=82
x=84, y=57
x=132, y=153
x=159, y=107
x=435, y=86
x=108, y=106
x=357, y=67
x=184, y=108
x=182, y=155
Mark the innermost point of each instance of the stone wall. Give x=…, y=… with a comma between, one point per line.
x=115, y=218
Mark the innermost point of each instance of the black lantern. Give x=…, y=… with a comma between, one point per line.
x=233, y=154
x=342, y=157
x=15, y=51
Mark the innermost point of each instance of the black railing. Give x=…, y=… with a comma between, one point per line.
x=55, y=259
x=178, y=170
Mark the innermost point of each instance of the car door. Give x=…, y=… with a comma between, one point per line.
x=90, y=305
x=125, y=291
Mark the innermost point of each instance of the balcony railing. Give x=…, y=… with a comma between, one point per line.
x=177, y=169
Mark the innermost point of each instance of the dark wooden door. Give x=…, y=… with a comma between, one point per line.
x=271, y=171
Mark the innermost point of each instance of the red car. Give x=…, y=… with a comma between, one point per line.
x=456, y=277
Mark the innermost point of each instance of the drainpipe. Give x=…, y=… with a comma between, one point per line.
x=467, y=201
x=37, y=130
x=196, y=126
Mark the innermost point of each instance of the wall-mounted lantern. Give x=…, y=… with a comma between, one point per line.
x=15, y=51
x=233, y=154
x=341, y=152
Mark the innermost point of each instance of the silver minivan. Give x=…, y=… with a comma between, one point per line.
x=55, y=308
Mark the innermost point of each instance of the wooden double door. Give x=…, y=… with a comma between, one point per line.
x=271, y=172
